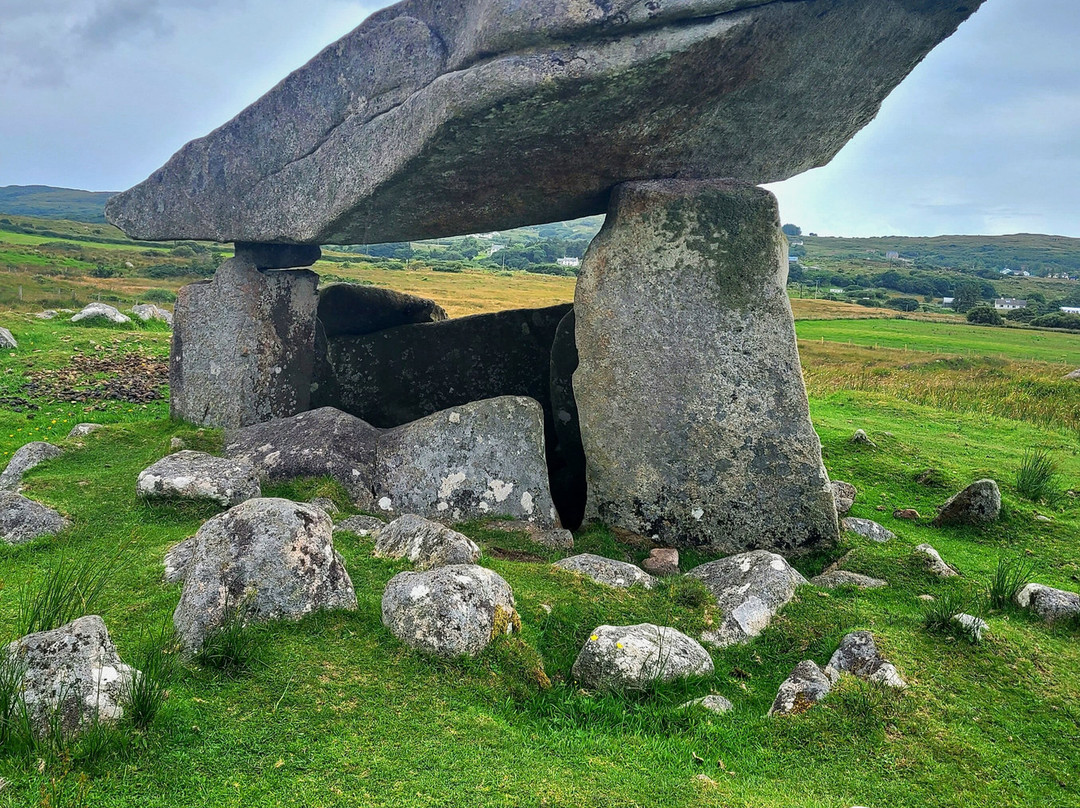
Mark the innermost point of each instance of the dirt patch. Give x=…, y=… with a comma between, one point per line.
x=130, y=377
x=513, y=555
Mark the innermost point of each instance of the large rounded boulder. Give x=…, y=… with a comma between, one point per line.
x=628, y=657
x=449, y=611
x=265, y=559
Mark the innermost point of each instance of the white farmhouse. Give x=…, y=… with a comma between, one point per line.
x=569, y=262
x=1009, y=304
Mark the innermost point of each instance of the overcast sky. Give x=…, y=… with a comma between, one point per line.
x=984, y=137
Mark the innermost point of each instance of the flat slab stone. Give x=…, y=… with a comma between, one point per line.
x=750, y=588
x=23, y=520
x=95, y=311
x=868, y=529
x=548, y=104
x=626, y=657
x=607, y=571
x=425, y=543
x=831, y=579
x=350, y=309
x=25, y=458
x=318, y=443
x=199, y=476
x=1049, y=603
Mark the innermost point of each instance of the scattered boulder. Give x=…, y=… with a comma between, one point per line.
x=449, y=611
x=350, y=309
x=628, y=657
x=72, y=676
x=148, y=311
x=319, y=443
x=82, y=430
x=978, y=504
x=971, y=625
x=7, y=340
x=1048, y=603
x=479, y=460
x=909, y=514
x=1075, y=375
x=361, y=525
x=22, y=519
x=95, y=311
x=664, y=390
x=199, y=476
x=662, y=561
x=858, y=655
x=806, y=686
x=831, y=579
x=265, y=559
x=934, y=563
x=607, y=571
x=750, y=588
x=178, y=560
x=24, y=459
x=48, y=314
x=868, y=529
x=425, y=543
x=861, y=438
x=325, y=504
x=556, y=538
x=844, y=494
x=713, y=703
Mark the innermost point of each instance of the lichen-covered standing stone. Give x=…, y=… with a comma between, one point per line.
x=265, y=559
x=978, y=504
x=750, y=588
x=858, y=655
x=805, y=686
x=72, y=676
x=425, y=543
x=243, y=345
x=482, y=459
x=449, y=611
x=692, y=408
x=607, y=571
x=194, y=475
x=624, y=657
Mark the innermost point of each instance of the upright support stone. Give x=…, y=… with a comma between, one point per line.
x=692, y=408
x=243, y=345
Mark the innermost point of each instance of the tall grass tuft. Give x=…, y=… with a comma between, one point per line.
x=68, y=590
x=1037, y=477
x=938, y=614
x=1010, y=576
x=232, y=647
x=154, y=662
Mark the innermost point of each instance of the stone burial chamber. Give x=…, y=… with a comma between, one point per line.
x=672, y=399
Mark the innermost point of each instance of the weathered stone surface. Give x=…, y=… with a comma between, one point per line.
x=806, y=686
x=82, y=430
x=1050, y=604
x=566, y=455
x=349, y=309
x=48, y=314
x=178, y=560
x=326, y=505
x=425, y=543
x=243, y=346
x=148, y=311
x=662, y=561
x=94, y=311
x=319, y=443
x=370, y=140
x=831, y=579
x=713, y=703
x=555, y=537
x=910, y=514
x=25, y=458
x=1074, y=375
x=360, y=525
x=449, y=611
x=978, y=504
x=627, y=657
x=481, y=459
x=862, y=438
x=7, y=340
x=199, y=476
x=750, y=588
x=971, y=625
x=278, y=256
x=858, y=655
x=72, y=676
x=693, y=412
x=868, y=529
x=933, y=562
x=265, y=559
x=844, y=494
x=22, y=519
x=607, y=571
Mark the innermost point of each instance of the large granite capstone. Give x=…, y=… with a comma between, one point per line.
x=543, y=105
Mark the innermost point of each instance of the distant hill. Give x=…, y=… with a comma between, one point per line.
x=47, y=202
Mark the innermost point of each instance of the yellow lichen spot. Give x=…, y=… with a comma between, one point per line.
x=593, y=638
x=618, y=645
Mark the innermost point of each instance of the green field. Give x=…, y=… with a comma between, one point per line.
x=948, y=339
x=336, y=712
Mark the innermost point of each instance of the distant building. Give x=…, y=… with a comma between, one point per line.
x=569, y=262
x=836, y=291
x=1009, y=304
x=494, y=249
x=793, y=259
x=947, y=301
x=1005, y=271
x=1071, y=309
x=892, y=255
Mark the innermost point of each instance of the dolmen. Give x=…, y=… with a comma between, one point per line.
x=673, y=406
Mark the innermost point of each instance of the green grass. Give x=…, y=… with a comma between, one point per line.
x=336, y=712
